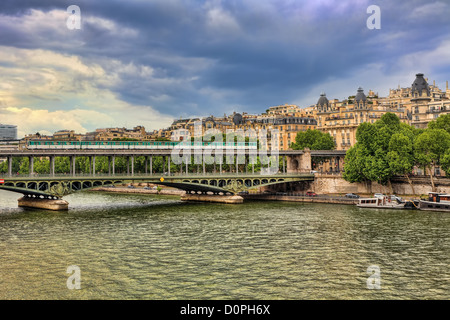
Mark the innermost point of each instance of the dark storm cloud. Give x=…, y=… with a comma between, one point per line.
x=208, y=56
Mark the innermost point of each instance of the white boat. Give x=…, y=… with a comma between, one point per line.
x=386, y=202
x=436, y=202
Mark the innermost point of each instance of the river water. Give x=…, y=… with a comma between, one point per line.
x=157, y=247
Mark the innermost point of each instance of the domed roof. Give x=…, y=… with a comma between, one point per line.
x=237, y=119
x=419, y=85
x=360, y=96
x=210, y=119
x=323, y=101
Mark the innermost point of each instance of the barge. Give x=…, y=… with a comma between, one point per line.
x=436, y=202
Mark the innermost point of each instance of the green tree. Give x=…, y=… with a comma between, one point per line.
x=400, y=157
x=430, y=147
x=384, y=149
x=314, y=140
x=442, y=122
x=445, y=163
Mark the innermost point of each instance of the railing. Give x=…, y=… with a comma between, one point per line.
x=301, y=195
x=133, y=144
x=118, y=176
x=436, y=110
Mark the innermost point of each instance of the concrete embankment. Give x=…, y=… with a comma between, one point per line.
x=168, y=192
x=236, y=199
x=297, y=198
x=212, y=198
x=174, y=192
x=54, y=205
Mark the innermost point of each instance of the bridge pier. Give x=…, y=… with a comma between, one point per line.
x=151, y=165
x=299, y=163
x=233, y=199
x=46, y=204
x=52, y=166
x=10, y=159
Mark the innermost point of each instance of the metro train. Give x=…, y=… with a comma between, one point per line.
x=132, y=145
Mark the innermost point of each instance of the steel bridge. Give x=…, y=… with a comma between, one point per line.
x=57, y=186
x=296, y=167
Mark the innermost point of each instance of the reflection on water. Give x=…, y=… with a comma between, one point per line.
x=156, y=247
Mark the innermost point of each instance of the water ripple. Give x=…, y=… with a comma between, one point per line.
x=152, y=247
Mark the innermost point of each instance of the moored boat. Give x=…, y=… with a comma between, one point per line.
x=386, y=202
x=436, y=202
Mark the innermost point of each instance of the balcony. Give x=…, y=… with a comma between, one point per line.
x=437, y=110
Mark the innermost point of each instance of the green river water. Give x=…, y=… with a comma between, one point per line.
x=157, y=247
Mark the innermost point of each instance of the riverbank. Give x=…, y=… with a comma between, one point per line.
x=251, y=196
x=168, y=192
x=299, y=198
x=278, y=196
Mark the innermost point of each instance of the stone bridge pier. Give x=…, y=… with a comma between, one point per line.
x=300, y=163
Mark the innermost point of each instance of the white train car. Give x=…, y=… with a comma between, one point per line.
x=137, y=145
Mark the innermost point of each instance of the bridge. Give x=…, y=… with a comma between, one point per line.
x=295, y=167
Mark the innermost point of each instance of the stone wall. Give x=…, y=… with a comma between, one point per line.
x=334, y=184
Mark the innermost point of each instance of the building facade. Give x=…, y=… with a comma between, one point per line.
x=8, y=132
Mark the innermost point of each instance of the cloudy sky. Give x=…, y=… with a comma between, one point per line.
x=147, y=62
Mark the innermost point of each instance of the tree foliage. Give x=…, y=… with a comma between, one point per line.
x=383, y=149
x=314, y=140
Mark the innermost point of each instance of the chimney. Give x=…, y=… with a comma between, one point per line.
x=446, y=85
x=434, y=83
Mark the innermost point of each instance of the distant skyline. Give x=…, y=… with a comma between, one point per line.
x=150, y=62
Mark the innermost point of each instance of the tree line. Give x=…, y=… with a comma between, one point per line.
x=389, y=148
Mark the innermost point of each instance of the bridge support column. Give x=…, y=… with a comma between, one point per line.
x=70, y=166
x=164, y=164
x=93, y=165
x=10, y=160
x=146, y=165
x=31, y=165
x=299, y=163
x=132, y=165
x=128, y=166
x=245, y=164
x=52, y=166
x=90, y=165
x=168, y=165
x=74, y=165
x=151, y=165
x=113, y=165
x=284, y=164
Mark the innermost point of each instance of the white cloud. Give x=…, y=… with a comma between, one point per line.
x=429, y=10
x=219, y=20
x=380, y=79
x=43, y=90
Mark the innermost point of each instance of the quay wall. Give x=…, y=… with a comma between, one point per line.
x=333, y=184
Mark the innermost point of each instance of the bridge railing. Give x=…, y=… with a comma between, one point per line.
x=146, y=175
